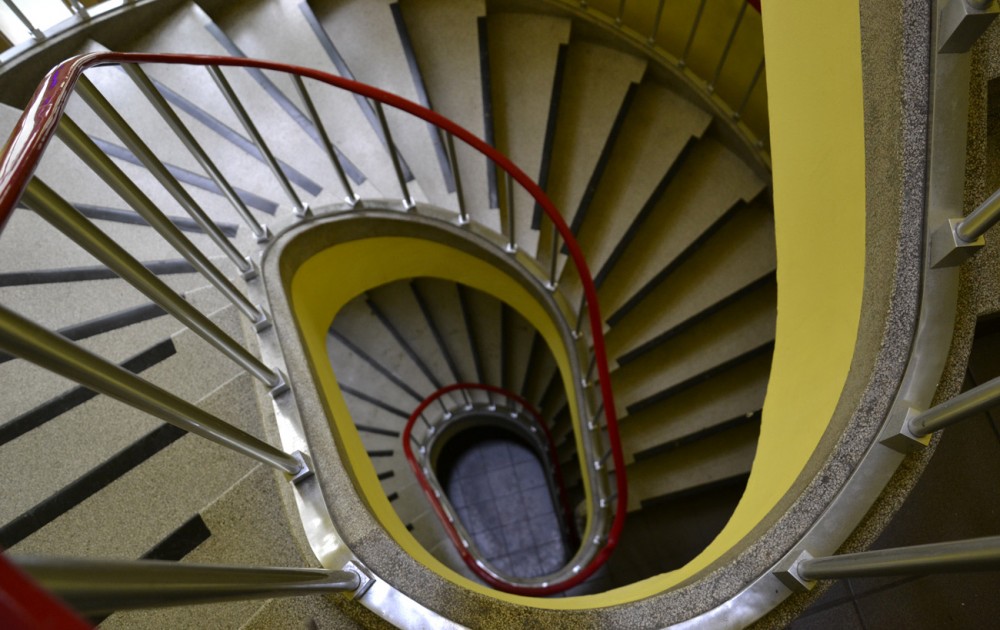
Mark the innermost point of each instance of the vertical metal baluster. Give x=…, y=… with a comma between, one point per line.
x=694, y=29
x=467, y=398
x=581, y=313
x=621, y=13
x=511, y=237
x=105, y=168
x=656, y=22
x=553, y=260
x=725, y=51
x=746, y=97
x=299, y=208
x=77, y=8
x=106, y=112
x=35, y=32
x=68, y=220
x=146, y=86
x=331, y=151
x=407, y=199
x=463, y=215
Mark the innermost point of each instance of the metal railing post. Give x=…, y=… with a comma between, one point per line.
x=463, y=215
x=106, y=112
x=656, y=22
x=965, y=405
x=298, y=207
x=331, y=151
x=394, y=155
x=694, y=29
x=980, y=220
x=68, y=220
x=621, y=13
x=94, y=587
x=26, y=339
x=152, y=94
x=553, y=260
x=85, y=148
x=710, y=86
x=746, y=96
x=511, y=237
x=977, y=554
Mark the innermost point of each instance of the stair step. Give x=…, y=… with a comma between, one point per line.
x=351, y=27
x=524, y=50
x=708, y=184
x=740, y=328
x=142, y=507
x=652, y=146
x=73, y=443
x=733, y=393
x=249, y=528
x=596, y=81
x=446, y=42
x=443, y=308
x=314, y=612
x=738, y=254
x=185, y=30
x=290, y=39
x=704, y=463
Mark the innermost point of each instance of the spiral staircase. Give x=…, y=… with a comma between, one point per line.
x=481, y=402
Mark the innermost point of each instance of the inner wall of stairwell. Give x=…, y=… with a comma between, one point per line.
x=495, y=480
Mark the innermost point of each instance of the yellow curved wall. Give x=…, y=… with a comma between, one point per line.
x=817, y=147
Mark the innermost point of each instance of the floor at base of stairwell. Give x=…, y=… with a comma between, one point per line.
x=957, y=497
x=498, y=487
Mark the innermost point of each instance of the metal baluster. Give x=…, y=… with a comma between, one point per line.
x=463, y=215
x=725, y=51
x=331, y=151
x=146, y=86
x=107, y=170
x=68, y=220
x=21, y=337
x=746, y=97
x=621, y=13
x=656, y=22
x=298, y=207
x=96, y=587
x=511, y=237
x=77, y=8
x=965, y=405
x=553, y=260
x=408, y=203
x=985, y=216
x=35, y=32
x=694, y=29
x=977, y=554
x=106, y=112
x=581, y=313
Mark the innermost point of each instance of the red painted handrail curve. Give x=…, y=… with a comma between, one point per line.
x=37, y=125
x=469, y=559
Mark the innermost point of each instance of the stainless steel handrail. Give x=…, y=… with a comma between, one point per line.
x=977, y=554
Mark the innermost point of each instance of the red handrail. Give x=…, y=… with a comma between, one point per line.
x=24, y=605
x=469, y=559
x=37, y=125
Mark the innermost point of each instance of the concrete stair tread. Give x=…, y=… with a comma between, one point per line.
x=659, y=126
x=524, y=49
x=732, y=394
x=352, y=26
x=442, y=302
x=517, y=338
x=742, y=327
x=317, y=612
x=703, y=463
x=142, y=507
x=279, y=31
x=445, y=37
x=739, y=254
x=76, y=441
x=709, y=182
x=249, y=528
x=483, y=313
x=596, y=82
x=185, y=31
x=365, y=340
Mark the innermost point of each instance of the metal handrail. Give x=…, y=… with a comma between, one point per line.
x=462, y=545
x=43, y=116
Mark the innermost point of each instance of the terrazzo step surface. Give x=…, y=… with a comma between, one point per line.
x=351, y=27
x=280, y=31
x=524, y=51
x=596, y=81
x=446, y=42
